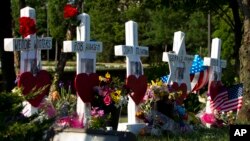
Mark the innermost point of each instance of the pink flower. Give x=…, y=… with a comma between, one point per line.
x=93, y=111
x=76, y=122
x=100, y=113
x=107, y=100
x=48, y=108
x=208, y=118
x=105, y=91
x=51, y=111
x=64, y=121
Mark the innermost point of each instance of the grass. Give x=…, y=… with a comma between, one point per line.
x=199, y=134
x=203, y=134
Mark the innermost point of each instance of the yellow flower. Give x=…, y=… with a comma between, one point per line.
x=55, y=96
x=107, y=75
x=116, y=96
x=101, y=78
x=157, y=82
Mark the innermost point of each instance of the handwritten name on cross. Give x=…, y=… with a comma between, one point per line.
x=85, y=57
x=179, y=62
x=30, y=46
x=85, y=49
x=131, y=50
x=133, y=63
x=215, y=63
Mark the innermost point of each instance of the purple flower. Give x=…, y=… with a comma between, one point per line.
x=61, y=84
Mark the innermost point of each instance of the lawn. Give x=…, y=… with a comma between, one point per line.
x=199, y=134
x=205, y=134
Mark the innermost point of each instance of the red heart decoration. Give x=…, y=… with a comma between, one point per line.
x=183, y=88
x=31, y=83
x=84, y=84
x=214, y=88
x=138, y=86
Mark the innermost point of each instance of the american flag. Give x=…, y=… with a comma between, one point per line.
x=228, y=99
x=199, y=74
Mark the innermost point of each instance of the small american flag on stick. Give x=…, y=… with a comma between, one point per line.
x=228, y=99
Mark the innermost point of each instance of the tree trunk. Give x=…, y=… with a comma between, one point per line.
x=63, y=57
x=7, y=58
x=244, y=54
x=237, y=33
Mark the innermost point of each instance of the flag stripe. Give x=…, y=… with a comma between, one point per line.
x=199, y=80
x=228, y=99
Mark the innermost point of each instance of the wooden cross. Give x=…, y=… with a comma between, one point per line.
x=85, y=57
x=214, y=61
x=216, y=65
x=133, y=52
x=30, y=48
x=179, y=62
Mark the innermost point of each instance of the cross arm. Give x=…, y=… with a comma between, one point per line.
x=20, y=44
x=82, y=46
x=168, y=56
x=215, y=62
x=124, y=50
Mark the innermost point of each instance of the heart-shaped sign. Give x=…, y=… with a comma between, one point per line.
x=84, y=84
x=30, y=83
x=182, y=88
x=138, y=86
x=214, y=88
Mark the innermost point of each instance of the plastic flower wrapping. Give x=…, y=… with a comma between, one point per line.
x=160, y=111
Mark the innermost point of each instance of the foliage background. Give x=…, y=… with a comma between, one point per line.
x=157, y=21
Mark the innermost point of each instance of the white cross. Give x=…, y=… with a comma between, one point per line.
x=133, y=63
x=215, y=67
x=214, y=61
x=30, y=48
x=85, y=57
x=179, y=62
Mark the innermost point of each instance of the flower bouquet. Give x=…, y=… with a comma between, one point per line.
x=110, y=96
x=161, y=110
x=61, y=106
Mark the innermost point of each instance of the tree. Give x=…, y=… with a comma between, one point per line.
x=106, y=26
x=58, y=29
x=7, y=58
x=244, y=53
x=14, y=126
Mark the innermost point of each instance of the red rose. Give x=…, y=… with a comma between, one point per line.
x=69, y=11
x=27, y=26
